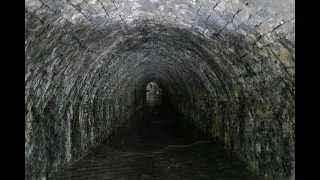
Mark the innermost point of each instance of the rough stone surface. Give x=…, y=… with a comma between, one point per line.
x=227, y=64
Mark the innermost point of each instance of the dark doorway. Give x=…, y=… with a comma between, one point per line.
x=153, y=96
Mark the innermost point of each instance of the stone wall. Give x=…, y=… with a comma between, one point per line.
x=227, y=64
x=247, y=102
x=72, y=103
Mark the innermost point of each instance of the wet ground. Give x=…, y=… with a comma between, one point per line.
x=159, y=145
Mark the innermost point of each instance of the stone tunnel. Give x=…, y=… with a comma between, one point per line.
x=226, y=65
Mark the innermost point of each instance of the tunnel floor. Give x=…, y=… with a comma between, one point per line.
x=158, y=144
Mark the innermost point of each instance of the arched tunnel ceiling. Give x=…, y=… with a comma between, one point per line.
x=122, y=35
x=84, y=52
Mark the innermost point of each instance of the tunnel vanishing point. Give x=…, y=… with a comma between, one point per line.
x=228, y=65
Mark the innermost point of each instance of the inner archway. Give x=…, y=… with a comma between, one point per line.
x=153, y=95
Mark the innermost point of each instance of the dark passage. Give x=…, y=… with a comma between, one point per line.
x=227, y=67
x=158, y=143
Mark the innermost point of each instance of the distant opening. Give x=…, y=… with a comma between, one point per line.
x=153, y=95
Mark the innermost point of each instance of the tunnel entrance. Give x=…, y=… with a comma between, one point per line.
x=228, y=66
x=153, y=96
